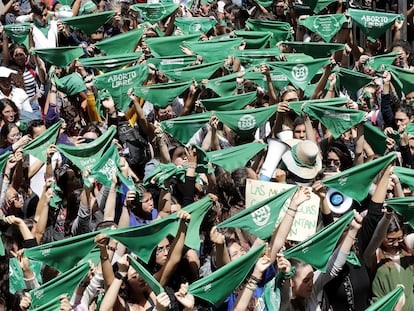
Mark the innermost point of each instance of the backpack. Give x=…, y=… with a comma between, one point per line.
x=135, y=146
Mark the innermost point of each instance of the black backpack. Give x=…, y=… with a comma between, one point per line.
x=135, y=145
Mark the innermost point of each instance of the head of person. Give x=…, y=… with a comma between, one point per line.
x=409, y=99
x=280, y=7
x=205, y=7
x=162, y=114
x=289, y=94
x=143, y=205
x=90, y=132
x=161, y=252
x=9, y=111
x=14, y=202
x=6, y=79
x=302, y=281
x=404, y=57
x=394, y=240
x=9, y=134
x=35, y=128
x=40, y=13
x=178, y=155
x=338, y=156
x=235, y=249
x=402, y=117
x=368, y=98
x=18, y=53
x=299, y=129
x=15, y=6
x=73, y=120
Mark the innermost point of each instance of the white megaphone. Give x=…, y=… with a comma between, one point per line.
x=338, y=203
x=275, y=150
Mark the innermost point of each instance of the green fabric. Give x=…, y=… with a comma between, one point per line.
x=52, y=305
x=234, y=157
x=60, y=56
x=89, y=23
x=65, y=283
x=409, y=128
x=335, y=102
x=161, y=95
x=56, y=199
x=2, y=250
x=404, y=76
x=406, y=176
x=403, y=206
x=353, y=259
x=372, y=23
x=245, y=122
x=253, y=57
x=317, y=249
x=280, y=30
x=361, y=175
x=183, y=128
x=318, y=5
x=172, y=62
x=123, y=43
x=315, y=49
x=63, y=254
x=377, y=62
x=190, y=25
x=163, y=172
x=264, y=3
x=3, y=160
x=16, y=281
x=167, y=46
x=126, y=182
x=336, y=120
x=38, y=146
x=375, y=138
x=325, y=26
x=254, y=39
x=146, y=276
x=87, y=155
x=19, y=33
x=142, y=240
x=71, y=84
x=260, y=219
x=279, y=80
x=229, y=103
x=66, y=2
x=87, y=7
x=218, y=285
x=155, y=12
x=214, y=50
x=118, y=82
x=107, y=166
x=352, y=81
x=223, y=86
x=194, y=72
x=110, y=62
x=387, y=302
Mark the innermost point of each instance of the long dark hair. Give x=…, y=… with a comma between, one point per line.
x=4, y=102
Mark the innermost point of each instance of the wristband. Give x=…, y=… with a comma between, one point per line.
x=121, y=277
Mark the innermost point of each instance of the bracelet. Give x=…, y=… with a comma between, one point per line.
x=255, y=279
x=6, y=175
x=121, y=277
x=331, y=90
x=290, y=214
x=292, y=209
x=103, y=258
x=251, y=286
x=192, y=165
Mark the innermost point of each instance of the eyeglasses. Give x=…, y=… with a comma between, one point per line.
x=280, y=6
x=17, y=135
x=162, y=249
x=9, y=112
x=393, y=240
x=333, y=161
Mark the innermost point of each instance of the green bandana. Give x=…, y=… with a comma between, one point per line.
x=89, y=23
x=352, y=81
x=106, y=166
x=126, y=182
x=324, y=25
x=300, y=74
x=118, y=82
x=245, y=122
x=38, y=146
x=163, y=172
x=87, y=7
x=280, y=30
x=318, y=5
x=65, y=283
x=404, y=207
x=66, y=2
x=335, y=102
x=387, y=302
x=16, y=281
x=60, y=56
x=353, y=259
x=361, y=175
x=87, y=155
x=264, y=3
x=378, y=62
x=260, y=219
x=375, y=138
x=214, y=50
x=229, y=103
x=317, y=249
x=123, y=43
x=154, y=12
x=409, y=129
x=167, y=46
x=404, y=77
x=223, y=86
x=56, y=199
x=196, y=72
x=110, y=62
x=406, y=176
x=146, y=276
x=336, y=120
x=3, y=160
x=256, y=57
x=71, y=84
x=218, y=285
x=162, y=95
x=183, y=128
x=373, y=24
x=279, y=80
x=172, y=62
x=254, y=39
x=19, y=33
x=44, y=29
x=315, y=49
x=190, y=25
x=51, y=305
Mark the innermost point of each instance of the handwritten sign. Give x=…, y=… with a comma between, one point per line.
x=306, y=218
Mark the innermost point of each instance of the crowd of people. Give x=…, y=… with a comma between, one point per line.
x=129, y=132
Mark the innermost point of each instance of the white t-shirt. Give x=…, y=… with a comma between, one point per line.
x=38, y=180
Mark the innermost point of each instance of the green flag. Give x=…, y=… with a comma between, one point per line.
x=71, y=84
x=279, y=80
x=142, y=240
x=280, y=30
x=89, y=23
x=183, y=128
x=3, y=160
x=409, y=129
x=194, y=72
x=352, y=81
x=406, y=176
x=56, y=199
x=324, y=25
x=254, y=39
x=372, y=23
x=63, y=254
x=107, y=166
x=38, y=146
x=163, y=172
x=361, y=175
x=118, y=82
x=190, y=25
x=65, y=283
x=260, y=219
x=19, y=33
x=300, y=74
x=51, y=305
x=16, y=281
x=167, y=46
x=317, y=249
x=404, y=76
x=245, y=122
x=228, y=103
x=154, y=12
x=60, y=56
x=214, y=50
x=336, y=102
x=403, y=206
x=85, y=156
x=375, y=138
x=253, y=57
x=388, y=302
x=223, y=86
x=161, y=95
x=380, y=61
x=336, y=120
x=110, y=62
x=215, y=287
x=315, y=49
x=123, y=43
x=146, y=276
x=172, y=62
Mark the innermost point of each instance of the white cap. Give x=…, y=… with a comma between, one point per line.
x=6, y=72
